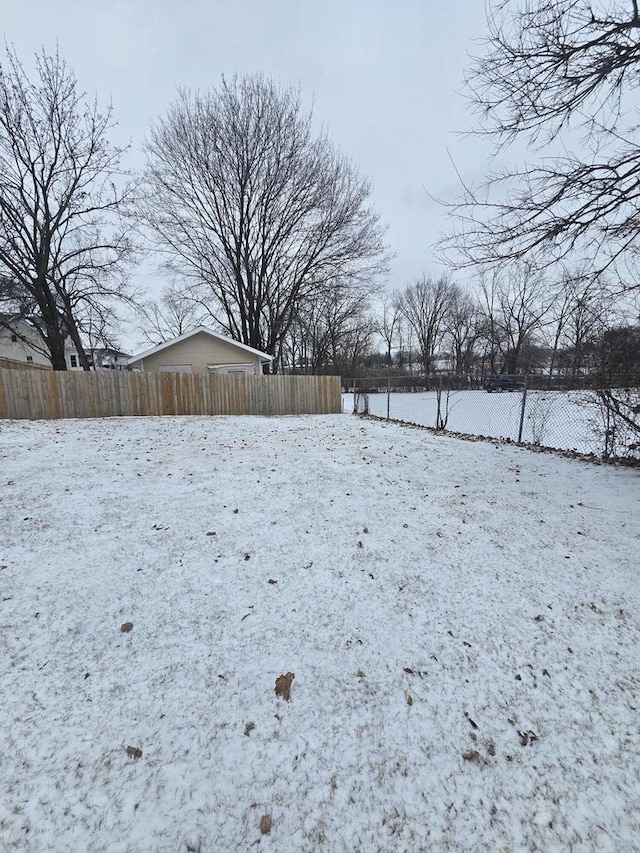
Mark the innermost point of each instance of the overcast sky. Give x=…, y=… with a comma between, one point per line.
x=385, y=78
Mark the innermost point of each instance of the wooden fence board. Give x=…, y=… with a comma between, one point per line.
x=32, y=394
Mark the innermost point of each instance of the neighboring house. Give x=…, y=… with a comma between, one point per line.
x=110, y=359
x=22, y=343
x=201, y=351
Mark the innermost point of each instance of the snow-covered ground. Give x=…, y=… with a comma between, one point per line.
x=462, y=619
x=565, y=420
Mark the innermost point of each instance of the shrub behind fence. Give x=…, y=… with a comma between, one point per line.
x=101, y=394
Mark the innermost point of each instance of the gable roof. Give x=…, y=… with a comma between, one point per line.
x=263, y=355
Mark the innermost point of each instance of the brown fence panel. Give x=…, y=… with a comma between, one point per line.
x=32, y=394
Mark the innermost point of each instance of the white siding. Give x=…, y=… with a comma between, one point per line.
x=19, y=350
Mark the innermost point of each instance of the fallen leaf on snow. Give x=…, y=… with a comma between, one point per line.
x=134, y=752
x=472, y=722
x=283, y=685
x=126, y=627
x=471, y=755
x=266, y=823
x=527, y=738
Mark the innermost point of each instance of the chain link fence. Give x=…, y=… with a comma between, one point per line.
x=537, y=410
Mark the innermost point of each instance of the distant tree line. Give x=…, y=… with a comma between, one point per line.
x=515, y=322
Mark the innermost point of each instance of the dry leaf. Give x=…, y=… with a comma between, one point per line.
x=134, y=752
x=126, y=627
x=472, y=722
x=409, y=700
x=527, y=738
x=471, y=755
x=265, y=824
x=283, y=685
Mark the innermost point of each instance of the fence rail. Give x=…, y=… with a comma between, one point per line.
x=35, y=395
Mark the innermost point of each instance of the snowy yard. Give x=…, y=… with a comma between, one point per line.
x=462, y=619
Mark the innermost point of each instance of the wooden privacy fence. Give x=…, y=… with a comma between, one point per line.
x=14, y=364
x=103, y=394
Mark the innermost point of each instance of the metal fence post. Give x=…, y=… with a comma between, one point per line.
x=388, y=396
x=355, y=397
x=524, y=404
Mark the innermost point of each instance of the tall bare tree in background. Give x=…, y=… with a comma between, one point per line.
x=252, y=205
x=551, y=67
x=63, y=244
x=463, y=326
x=388, y=324
x=175, y=313
x=515, y=304
x=425, y=306
x=332, y=332
x=583, y=307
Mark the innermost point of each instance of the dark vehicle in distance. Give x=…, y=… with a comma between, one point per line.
x=502, y=382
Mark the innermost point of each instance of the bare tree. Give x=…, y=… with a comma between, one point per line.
x=425, y=305
x=523, y=303
x=515, y=304
x=581, y=310
x=388, y=324
x=247, y=201
x=555, y=70
x=332, y=332
x=175, y=313
x=63, y=243
x=463, y=326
